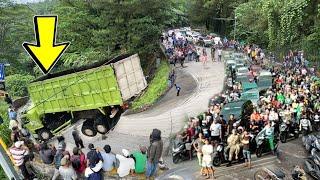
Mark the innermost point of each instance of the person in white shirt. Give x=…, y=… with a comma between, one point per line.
x=207, y=151
x=216, y=131
x=126, y=165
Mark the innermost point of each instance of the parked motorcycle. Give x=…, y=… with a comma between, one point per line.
x=179, y=151
x=312, y=165
x=267, y=173
x=316, y=122
x=263, y=145
x=310, y=142
x=222, y=155
x=288, y=131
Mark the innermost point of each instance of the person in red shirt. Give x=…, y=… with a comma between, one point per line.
x=79, y=162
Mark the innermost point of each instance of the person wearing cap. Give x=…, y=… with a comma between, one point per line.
x=18, y=152
x=65, y=170
x=140, y=159
x=126, y=165
x=109, y=159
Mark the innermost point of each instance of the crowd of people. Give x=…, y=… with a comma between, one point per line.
x=179, y=49
x=96, y=164
x=293, y=99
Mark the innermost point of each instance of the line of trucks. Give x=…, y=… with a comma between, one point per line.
x=96, y=95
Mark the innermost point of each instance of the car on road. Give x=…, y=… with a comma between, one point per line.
x=193, y=38
x=205, y=41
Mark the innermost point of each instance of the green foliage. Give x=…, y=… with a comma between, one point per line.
x=17, y=84
x=156, y=88
x=15, y=27
x=2, y=174
x=4, y=128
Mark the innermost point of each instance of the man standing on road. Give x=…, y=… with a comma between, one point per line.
x=178, y=88
x=219, y=54
x=154, y=153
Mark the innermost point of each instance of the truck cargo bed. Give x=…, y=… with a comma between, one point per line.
x=77, y=69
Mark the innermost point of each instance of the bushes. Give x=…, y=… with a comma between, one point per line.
x=156, y=87
x=4, y=128
x=17, y=84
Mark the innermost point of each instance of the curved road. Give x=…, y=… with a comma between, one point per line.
x=209, y=81
x=169, y=114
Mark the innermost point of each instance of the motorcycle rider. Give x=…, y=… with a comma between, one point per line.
x=269, y=132
x=305, y=125
x=233, y=146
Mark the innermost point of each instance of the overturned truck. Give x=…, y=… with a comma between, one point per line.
x=96, y=95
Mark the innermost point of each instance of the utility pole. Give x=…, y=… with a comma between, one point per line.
x=235, y=26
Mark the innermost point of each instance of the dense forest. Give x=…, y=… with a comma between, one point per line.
x=274, y=25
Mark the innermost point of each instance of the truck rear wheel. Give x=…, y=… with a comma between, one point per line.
x=101, y=125
x=44, y=134
x=88, y=128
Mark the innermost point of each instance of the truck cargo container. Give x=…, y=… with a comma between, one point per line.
x=95, y=94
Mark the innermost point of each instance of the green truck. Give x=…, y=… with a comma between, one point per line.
x=96, y=95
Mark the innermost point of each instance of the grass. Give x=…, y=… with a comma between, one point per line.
x=4, y=127
x=155, y=89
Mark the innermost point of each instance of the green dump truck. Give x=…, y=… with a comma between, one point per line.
x=96, y=95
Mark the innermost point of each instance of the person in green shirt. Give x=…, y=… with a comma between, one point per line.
x=140, y=159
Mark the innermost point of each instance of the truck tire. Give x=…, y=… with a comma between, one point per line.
x=88, y=129
x=101, y=125
x=44, y=134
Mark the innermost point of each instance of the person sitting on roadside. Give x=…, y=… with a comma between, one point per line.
x=126, y=164
x=93, y=153
x=140, y=159
x=47, y=153
x=109, y=159
x=233, y=146
x=93, y=171
x=65, y=170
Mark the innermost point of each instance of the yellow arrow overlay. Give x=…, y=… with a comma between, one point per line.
x=46, y=52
